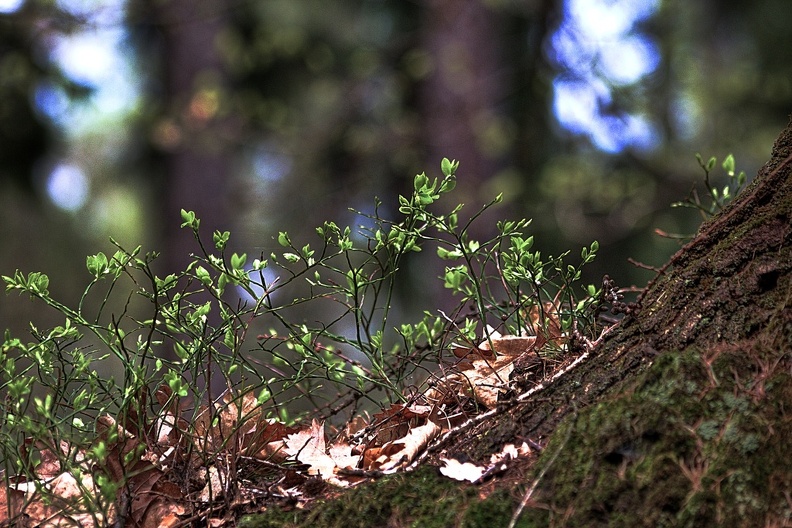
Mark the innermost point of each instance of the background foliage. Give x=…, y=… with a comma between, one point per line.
x=275, y=116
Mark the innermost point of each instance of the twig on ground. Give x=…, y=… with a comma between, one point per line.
x=442, y=440
x=529, y=493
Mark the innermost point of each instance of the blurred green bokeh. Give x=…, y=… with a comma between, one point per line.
x=276, y=115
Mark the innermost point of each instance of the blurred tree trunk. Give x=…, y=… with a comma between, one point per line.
x=196, y=160
x=460, y=98
x=190, y=134
x=485, y=104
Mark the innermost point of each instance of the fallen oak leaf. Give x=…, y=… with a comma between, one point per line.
x=484, y=378
x=395, y=421
x=545, y=320
x=308, y=446
x=215, y=485
x=240, y=425
x=342, y=455
x=58, y=501
x=163, y=514
x=510, y=452
x=401, y=452
x=512, y=345
x=266, y=439
x=481, y=379
x=467, y=471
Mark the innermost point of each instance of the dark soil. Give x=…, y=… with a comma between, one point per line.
x=682, y=417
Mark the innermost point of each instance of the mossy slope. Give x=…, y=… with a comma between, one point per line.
x=422, y=499
x=702, y=439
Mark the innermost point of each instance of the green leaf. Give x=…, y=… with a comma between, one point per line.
x=38, y=282
x=420, y=182
x=283, y=239
x=175, y=383
x=448, y=185
x=263, y=396
x=189, y=219
x=203, y=275
x=222, y=282
x=238, y=261
x=449, y=167
x=728, y=165
x=446, y=254
x=165, y=284
x=445, y=166
x=455, y=277
x=221, y=239
x=97, y=264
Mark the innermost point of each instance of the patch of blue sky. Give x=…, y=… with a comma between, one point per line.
x=270, y=165
x=94, y=58
x=67, y=187
x=607, y=19
x=10, y=6
x=96, y=12
x=597, y=46
x=259, y=280
x=629, y=60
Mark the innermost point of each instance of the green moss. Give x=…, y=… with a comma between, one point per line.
x=686, y=445
x=420, y=499
x=701, y=438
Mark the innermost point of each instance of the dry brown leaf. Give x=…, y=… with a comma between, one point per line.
x=143, y=492
x=308, y=446
x=163, y=514
x=545, y=322
x=6, y=505
x=483, y=374
x=342, y=455
x=511, y=345
x=470, y=472
x=266, y=439
x=214, y=488
x=62, y=507
x=480, y=379
x=471, y=353
x=401, y=452
x=242, y=427
x=510, y=452
x=355, y=425
x=370, y=458
x=395, y=422
x=456, y=470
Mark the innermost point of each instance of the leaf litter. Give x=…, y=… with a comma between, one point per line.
x=233, y=459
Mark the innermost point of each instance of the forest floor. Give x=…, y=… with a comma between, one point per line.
x=680, y=414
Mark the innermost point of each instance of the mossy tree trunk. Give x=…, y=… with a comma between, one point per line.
x=682, y=417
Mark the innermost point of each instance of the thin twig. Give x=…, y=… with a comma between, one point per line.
x=441, y=441
x=535, y=483
x=708, y=230
x=642, y=265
